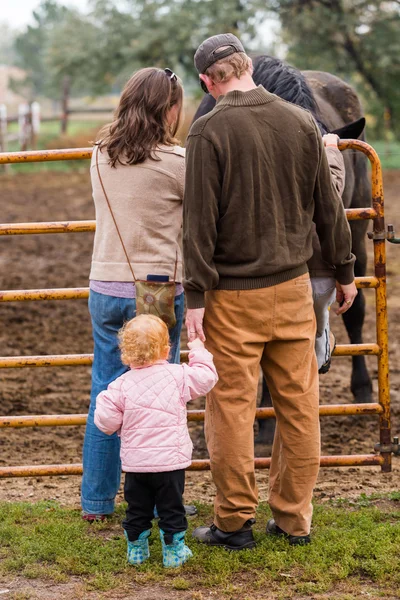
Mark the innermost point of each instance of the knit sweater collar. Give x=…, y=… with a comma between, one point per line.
x=253, y=97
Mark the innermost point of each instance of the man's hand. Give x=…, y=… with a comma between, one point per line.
x=194, y=324
x=345, y=295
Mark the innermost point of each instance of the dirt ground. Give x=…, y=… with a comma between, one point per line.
x=47, y=590
x=58, y=327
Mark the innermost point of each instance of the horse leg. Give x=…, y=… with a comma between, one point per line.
x=361, y=385
x=266, y=427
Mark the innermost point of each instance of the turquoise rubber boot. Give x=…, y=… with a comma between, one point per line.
x=176, y=553
x=138, y=551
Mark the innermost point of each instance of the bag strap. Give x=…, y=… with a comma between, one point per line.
x=115, y=222
x=112, y=214
x=176, y=266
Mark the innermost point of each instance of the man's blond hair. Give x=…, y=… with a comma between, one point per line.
x=235, y=65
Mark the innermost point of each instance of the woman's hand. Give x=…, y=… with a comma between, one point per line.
x=331, y=139
x=194, y=324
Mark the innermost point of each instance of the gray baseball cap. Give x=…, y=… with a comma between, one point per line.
x=210, y=50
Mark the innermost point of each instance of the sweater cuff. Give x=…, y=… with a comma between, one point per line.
x=194, y=299
x=201, y=355
x=345, y=274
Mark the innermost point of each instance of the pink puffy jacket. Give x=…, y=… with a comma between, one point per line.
x=147, y=406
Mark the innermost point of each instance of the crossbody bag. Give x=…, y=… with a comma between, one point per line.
x=152, y=297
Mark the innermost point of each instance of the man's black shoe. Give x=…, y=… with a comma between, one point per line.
x=190, y=510
x=294, y=540
x=241, y=539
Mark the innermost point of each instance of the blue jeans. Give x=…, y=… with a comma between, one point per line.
x=101, y=462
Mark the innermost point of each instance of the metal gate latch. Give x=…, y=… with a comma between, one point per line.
x=393, y=448
x=389, y=235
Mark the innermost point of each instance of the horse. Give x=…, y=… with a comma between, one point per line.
x=336, y=109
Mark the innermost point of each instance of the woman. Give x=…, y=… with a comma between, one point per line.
x=142, y=171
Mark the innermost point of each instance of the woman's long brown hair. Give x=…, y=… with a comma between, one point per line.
x=140, y=123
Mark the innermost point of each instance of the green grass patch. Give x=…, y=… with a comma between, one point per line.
x=80, y=134
x=358, y=542
x=388, y=152
x=51, y=130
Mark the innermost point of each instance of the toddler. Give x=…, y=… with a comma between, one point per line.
x=147, y=407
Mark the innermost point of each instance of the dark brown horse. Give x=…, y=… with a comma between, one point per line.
x=336, y=108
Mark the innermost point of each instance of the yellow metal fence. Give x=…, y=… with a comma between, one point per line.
x=379, y=349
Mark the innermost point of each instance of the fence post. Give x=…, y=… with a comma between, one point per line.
x=3, y=132
x=23, y=112
x=65, y=102
x=35, y=122
x=3, y=127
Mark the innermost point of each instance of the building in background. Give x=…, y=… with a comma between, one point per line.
x=9, y=97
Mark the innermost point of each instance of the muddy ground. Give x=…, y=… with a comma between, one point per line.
x=58, y=327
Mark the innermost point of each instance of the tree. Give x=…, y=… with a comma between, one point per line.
x=347, y=37
x=31, y=47
x=7, y=36
x=102, y=48
x=171, y=30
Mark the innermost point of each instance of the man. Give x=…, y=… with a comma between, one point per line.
x=257, y=176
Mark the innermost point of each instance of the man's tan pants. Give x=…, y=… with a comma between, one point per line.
x=273, y=327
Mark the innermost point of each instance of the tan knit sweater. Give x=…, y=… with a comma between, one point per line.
x=147, y=203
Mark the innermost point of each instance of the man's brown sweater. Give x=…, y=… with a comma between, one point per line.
x=256, y=178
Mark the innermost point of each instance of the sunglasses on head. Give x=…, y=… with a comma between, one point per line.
x=173, y=77
x=203, y=86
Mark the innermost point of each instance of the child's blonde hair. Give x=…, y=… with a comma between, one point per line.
x=143, y=341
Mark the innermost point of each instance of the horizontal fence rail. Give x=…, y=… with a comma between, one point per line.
x=10, y=158
x=353, y=214
x=51, y=227
x=54, y=294
x=71, y=360
x=325, y=410
x=358, y=214
x=58, y=360
x=82, y=293
x=378, y=349
x=351, y=460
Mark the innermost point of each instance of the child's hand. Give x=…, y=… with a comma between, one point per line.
x=331, y=139
x=197, y=343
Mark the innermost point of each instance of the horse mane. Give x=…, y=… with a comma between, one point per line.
x=287, y=82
